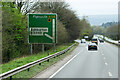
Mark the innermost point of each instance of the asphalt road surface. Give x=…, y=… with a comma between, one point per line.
x=102, y=63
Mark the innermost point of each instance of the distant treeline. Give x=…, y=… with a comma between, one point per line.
x=14, y=23
x=109, y=29
x=109, y=24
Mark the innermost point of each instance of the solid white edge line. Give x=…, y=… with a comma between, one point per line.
x=64, y=65
x=110, y=74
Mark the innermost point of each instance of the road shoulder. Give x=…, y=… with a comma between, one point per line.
x=52, y=69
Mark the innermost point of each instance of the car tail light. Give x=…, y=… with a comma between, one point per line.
x=95, y=45
x=88, y=45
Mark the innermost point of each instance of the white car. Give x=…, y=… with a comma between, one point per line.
x=83, y=41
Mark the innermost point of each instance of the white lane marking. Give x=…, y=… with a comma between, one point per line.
x=64, y=65
x=104, y=58
x=110, y=74
x=102, y=54
x=106, y=63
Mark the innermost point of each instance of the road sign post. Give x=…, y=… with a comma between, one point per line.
x=53, y=47
x=31, y=48
x=42, y=48
x=42, y=29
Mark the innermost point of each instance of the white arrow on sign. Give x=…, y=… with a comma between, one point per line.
x=49, y=36
x=53, y=38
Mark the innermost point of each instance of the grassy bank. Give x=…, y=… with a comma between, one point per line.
x=36, y=69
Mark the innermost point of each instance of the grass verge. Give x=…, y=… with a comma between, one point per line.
x=38, y=68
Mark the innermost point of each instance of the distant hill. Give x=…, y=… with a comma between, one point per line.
x=100, y=19
x=108, y=24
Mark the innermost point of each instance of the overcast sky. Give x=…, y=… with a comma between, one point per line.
x=94, y=7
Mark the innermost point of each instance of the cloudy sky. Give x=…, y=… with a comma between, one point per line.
x=94, y=7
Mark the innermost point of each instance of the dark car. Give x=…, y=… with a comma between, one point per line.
x=94, y=40
x=92, y=46
x=119, y=41
x=101, y=41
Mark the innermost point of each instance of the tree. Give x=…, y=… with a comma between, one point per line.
x=112, y=32
x=14, y=32
x=86, y=28
x=98, y=30
x=15, y=35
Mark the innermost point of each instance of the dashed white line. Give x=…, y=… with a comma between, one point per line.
x=104, y=58
x=64, y=65
x=106, y=63
x=102, y=54
x=110, y=74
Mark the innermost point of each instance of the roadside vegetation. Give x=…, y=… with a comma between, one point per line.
x=111, y=32
x=37, y=68
x=14, y=23
x=27, y=59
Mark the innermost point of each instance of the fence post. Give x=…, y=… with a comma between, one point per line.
x=10, y=77
x=54, y=56
x=28, y=69
x=39, y=63
x=48, y=55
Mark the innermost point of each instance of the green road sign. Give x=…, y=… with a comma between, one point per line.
x=42, y=28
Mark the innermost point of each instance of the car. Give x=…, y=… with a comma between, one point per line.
x=119, y=41
x=94, y=40
x=83, y=41
x=92, y=46
x=101, y=41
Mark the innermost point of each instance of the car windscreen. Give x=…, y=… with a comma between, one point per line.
x=92, y=44
x=94, y=39
x=83, y=40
